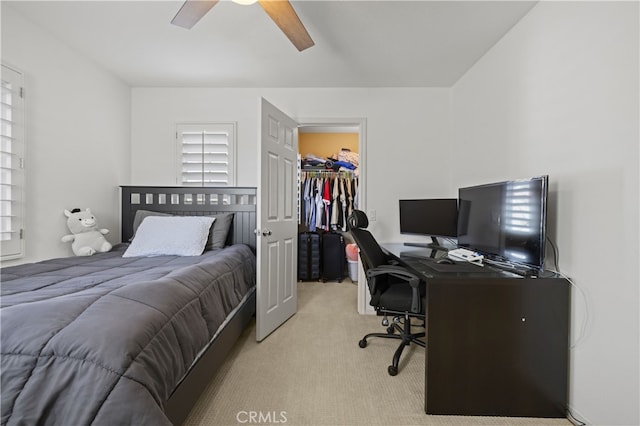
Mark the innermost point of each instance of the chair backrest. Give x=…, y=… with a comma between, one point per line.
x=371, y=253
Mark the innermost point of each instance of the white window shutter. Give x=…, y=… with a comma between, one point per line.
x=206, y=154
x=11, y=164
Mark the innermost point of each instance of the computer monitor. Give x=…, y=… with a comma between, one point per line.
x=435, y=217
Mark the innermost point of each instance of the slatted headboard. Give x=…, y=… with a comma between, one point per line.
x=193, y=201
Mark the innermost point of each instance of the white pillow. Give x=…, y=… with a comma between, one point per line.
x=170, y=235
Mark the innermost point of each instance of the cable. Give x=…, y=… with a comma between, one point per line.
x=583, y=326
x=453, y=241
x=555, y=253
x=573, y=419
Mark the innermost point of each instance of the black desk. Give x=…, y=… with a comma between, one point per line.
x=497, y=343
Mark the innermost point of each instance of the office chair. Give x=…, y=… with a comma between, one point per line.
x=394, y=290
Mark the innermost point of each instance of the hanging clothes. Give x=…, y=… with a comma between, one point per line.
x=319, y=203
x=335, y=202
x=328, y=199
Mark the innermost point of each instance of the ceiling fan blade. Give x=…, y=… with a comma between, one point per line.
x=282, y=13
x=191, y=12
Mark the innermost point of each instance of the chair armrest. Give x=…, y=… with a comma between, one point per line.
x=405, y=274
x=396, y=271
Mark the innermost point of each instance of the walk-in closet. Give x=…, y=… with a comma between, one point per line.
x=329, y=163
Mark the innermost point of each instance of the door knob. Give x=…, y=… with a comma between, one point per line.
x=266, y=232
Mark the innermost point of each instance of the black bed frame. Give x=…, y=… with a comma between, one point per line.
x=199, y=201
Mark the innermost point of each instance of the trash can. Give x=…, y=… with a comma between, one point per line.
x=353, y=270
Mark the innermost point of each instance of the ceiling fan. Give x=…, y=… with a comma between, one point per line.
x=280, y=11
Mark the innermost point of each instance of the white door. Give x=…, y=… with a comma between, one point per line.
x=277, y=297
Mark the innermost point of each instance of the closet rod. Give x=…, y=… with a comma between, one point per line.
x=313, y=173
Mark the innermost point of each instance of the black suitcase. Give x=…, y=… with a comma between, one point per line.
x=308, y=256
x=333, y=257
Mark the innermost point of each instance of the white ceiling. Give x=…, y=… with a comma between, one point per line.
x=357, y=43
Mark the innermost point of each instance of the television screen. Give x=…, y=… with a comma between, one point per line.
x=432, y=217
x=505, y=221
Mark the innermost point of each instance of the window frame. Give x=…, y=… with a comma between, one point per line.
x=229, y=128
x=13, y=161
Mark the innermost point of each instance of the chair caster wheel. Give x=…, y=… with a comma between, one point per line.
x=392, y=370
x=362, y=343
x=391, y=330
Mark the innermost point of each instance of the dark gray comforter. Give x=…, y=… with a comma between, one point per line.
x=105, y=339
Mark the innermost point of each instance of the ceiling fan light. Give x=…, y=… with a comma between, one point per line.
x=244, y=2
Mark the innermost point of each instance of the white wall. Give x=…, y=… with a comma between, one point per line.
x=558, y=95
x=77, y=136
x=407, y=131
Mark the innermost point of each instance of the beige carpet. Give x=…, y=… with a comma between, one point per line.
x=311, y=372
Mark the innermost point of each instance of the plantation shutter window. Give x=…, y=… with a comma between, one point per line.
x=206, y=154
x=11, y=164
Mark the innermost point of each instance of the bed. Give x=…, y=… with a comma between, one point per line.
x=108, y=339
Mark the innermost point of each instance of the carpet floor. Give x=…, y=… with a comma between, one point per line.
x=311, y=371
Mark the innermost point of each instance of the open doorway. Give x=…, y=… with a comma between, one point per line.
x=327, y=139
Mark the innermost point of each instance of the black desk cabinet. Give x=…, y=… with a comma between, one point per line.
x=497, y=346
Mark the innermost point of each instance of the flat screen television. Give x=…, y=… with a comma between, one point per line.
x=434, y=218
x=505, y=221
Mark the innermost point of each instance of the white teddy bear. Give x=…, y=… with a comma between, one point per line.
x=87, y=238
